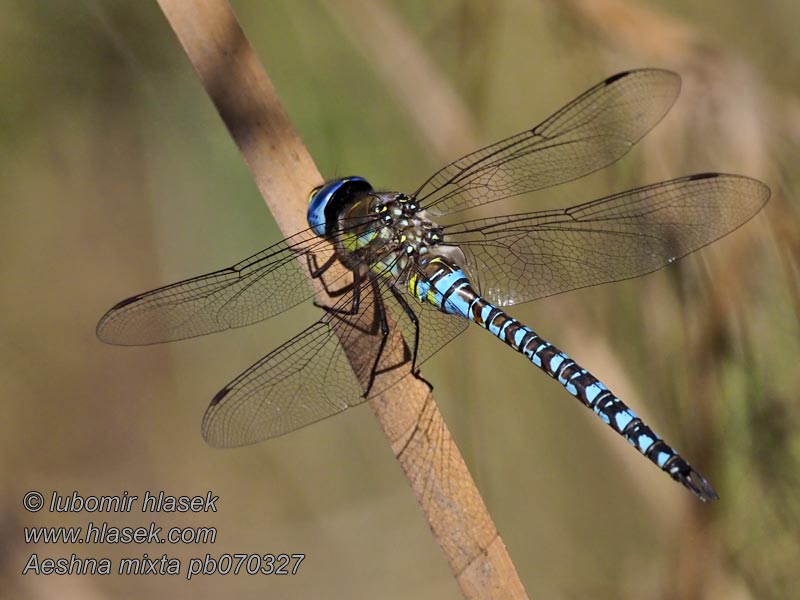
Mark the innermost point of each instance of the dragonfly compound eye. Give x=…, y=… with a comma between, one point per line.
x=328, y=200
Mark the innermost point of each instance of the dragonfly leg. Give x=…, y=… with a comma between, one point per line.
x=318, y=271
x=412, y=316
x=355, y=305
x=409, y=355
x=315, y=269
x=380, y=311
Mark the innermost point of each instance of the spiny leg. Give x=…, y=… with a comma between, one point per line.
x=378, y=324
x=409, y=355
x=317, y=271
x=355, y=304
x=412, y=316
x=380, y=311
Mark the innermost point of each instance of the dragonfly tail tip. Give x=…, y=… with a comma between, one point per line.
x=697, y=484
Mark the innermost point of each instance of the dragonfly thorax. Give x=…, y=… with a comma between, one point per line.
x=385, y=232
x=402, y=222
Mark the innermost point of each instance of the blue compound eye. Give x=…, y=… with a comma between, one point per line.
x=318, y=201
x=327, y=201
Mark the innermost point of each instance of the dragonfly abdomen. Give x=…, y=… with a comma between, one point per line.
x=449, y=288
x=592, y=393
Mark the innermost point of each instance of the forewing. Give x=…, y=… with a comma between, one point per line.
x=254, y=289
x=518, y=258
x=589, y=133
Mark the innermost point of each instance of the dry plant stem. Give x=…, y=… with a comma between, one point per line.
x=284, y=172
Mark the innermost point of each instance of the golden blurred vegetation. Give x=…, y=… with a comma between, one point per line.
x=117, y=176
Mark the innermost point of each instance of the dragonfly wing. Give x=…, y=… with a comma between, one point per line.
x=589, y=133
x=518, y=258
x=254, y=289
x=311, y=377
x=303, y=381
x=308, y=378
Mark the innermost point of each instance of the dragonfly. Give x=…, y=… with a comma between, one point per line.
x=412, y=263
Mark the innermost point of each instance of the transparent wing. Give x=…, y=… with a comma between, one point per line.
x=303, y=381
x=254, y=289
x=310, y=377
x=589, y=133
x=518, y=258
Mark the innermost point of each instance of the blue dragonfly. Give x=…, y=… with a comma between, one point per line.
x=410, y=263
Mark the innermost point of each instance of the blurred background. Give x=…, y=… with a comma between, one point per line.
x=118, y=177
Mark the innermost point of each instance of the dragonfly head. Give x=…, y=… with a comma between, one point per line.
x=327, y=200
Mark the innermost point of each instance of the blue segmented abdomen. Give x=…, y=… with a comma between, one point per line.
x=446, y=286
